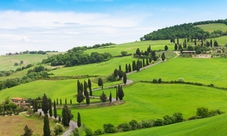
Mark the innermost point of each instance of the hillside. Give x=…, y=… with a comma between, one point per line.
x=142, y=101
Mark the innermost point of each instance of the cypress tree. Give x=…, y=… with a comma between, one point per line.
x=57, y=101
x=78, y=86
x=78, y=120
x=147, y=61
x=87, y=100
x=60, y=102
x=126, y=68
x=35, y=106
x=65, y=101
x=110, y=97
x=119, y=67
x=103, y=97
x=85, y=88
x=71, y=102
x=45, y=104
x=138, y=65
x=143, y=64
x=124, y=78
x=66, y=115
x=80, y=97
x=116, y=93
x=89, y=86
x=129, y=68
x=115, y=73
x=81, y=87
x=55, y=110
x=163, y=56
x=120, y=92
x=100, y=82
x=46, y=126
x=50, y=108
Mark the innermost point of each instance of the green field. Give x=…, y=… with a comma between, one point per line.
x=145, y=101
x=131, y=47
x=206, y=71
x=214, y=26
x=215, y=126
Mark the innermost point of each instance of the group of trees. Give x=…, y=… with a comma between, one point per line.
x=76, y=56
x=185, y=30
x=8, y=108
x=82, y=91
x=30, y=52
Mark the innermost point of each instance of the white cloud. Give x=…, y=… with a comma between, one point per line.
x=61, y=31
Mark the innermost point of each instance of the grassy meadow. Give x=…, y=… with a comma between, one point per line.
x=213, y=26
x=215, y=126
x=206, y=71
x=144, y=101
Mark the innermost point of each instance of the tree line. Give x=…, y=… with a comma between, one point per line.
x=76, y=56
x=185, y=31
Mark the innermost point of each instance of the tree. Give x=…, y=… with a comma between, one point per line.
x=215, y=43
x=89, y=86
x=50, y=107
x=35, y=106
x=87, y=100
x=21, y=62
x=45, y=104
x=119, y=67
x=85, y=89
x=203, y=112
x=138, y=65
x=124, y=78
x=78, y=120
x=117, y=94
x=103, y=97
x=100, y=82
x=120, y=92
x=126, y=68
x=78, y=86
x=129, y=68
x=46, y=126
x=138, y=52
x=166, y=48
x=110, y=97
x=123, y=53
x=120, y=74
x=55, y=110
x=80, y=97
x=27, y=131
x=175, y=47
x=66, y=115
x=163, y=56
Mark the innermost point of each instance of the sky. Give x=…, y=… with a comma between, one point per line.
x=60, y=25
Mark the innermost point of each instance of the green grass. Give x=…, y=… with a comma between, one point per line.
x=149, y=101
x=206, y=71
x=214, y=26
x=102, y=69
x=215, y=126
x=131, y=47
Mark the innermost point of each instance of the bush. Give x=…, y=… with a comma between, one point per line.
x=89, y=132
x=58, y=128
x=180, y=80
x=109, y=128
x=98, y=132
x=134, y=124
x=178, y=117
x=168, y=119
x=124, y=127
x=159, y=80
x=146, y=124
x=194, y=117
x=155, y=80
x=202, y=112
x=158, y=122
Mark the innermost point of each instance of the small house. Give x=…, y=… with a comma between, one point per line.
x=18, y=101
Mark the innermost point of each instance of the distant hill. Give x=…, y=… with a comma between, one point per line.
x=188, y=31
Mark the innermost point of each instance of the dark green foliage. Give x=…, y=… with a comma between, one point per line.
x=89, y=132
x=168, y=119
x=119, y=68
x=100, y=82
x=126, y=68
x=90, y=86
x=158, y=122
x=178, y=117
x=46, y=126
x=202, y=112
x=85, y=89
x=55, y=110
x=58, y=128
x=115, y=74
x=134, y=124
x=45, y=104
x=163, y=56
x=27, y=131
x=138, y=52
x=50, y=107
x=103, y=97
x=117, y=94
x=124, y=127
x=78, y=120
x=71, y=102
x=78, y=86
x=80, y=97
x=120, y=92
x=76, y=132
x=134, y=67
x=65, y=101
x=175, y=47
x=60, y=102
x=146, y=124
x=98, y=132
x=138, y=65
x=110, y=97
x=215, y=43
x=129, y=68
x=109, y=128
x=87, y=100
x=159, y=80
x=35, y=106
x=120, y=74
x=66, y=116
x=166, y=48
x=57, y=101
x=124, y=78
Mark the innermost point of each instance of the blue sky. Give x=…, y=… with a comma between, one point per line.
x=63, y=24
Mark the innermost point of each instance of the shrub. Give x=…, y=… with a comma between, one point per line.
x=98, y=132
x=194, y=117
x=155, y=80
x=89, y=132
x=158, y=122
x=159, y=80
x=146, y=124
x=109, y=128
x=134, y=124
x=58, y=128
x=180, y=80
x=202, y=112
x=124, y=127
x=168, y=119
x=178, y=117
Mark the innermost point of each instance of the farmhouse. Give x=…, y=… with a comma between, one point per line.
x=18, y=101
